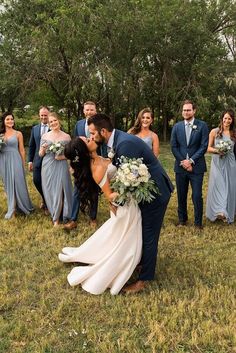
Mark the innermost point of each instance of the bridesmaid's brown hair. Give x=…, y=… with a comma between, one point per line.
x=232, y=129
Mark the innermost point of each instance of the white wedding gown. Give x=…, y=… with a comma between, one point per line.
x=112, y=252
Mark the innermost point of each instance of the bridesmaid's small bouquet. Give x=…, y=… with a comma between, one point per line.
x=57, y=148
x=2, y=142
x=224, y=147
x=133, y=180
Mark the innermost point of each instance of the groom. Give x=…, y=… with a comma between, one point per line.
x=123, y=144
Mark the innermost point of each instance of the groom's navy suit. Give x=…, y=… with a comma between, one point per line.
x=80, y=131
x=33, y=156
x=195, y=150
x=152, y=213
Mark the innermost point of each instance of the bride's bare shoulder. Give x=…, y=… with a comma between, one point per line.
x=98, y=171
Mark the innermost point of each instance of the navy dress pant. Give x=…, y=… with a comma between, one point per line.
x=182, y=184
x=38, y=181
x=76, y=205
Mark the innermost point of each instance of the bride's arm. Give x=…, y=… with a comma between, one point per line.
x=110, y=196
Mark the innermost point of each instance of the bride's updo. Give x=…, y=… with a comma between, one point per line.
x=78, y=154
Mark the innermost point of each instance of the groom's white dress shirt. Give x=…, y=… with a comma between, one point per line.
x=111, y=140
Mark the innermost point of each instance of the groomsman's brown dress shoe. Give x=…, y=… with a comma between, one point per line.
x=198, y=227
x=93, y=223
x=70, y=225
x=135, y=287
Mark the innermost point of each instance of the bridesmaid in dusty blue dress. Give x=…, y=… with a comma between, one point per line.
x=56, y=179
x=142, y=129
x=221, y=196
x=12, y=161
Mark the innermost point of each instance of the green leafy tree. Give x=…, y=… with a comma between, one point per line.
x=124, y=55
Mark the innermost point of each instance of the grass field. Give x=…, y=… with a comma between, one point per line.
x=189, y=308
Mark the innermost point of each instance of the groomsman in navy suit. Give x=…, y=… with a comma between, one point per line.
x=123, y=144
x=81, y=129
x=34, y=161
x=189, y=141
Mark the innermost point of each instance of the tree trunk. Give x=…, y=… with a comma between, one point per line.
x=10, y=105
x=79, y=109
x=165, y=123
x=69, y=120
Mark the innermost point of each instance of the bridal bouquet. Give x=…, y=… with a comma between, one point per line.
x=57, y=148
x=2, y=142
x=224, y=147
x=133, y=180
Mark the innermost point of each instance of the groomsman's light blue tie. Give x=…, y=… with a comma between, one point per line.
x=188, y=130
x=87, y=133
x=44, y=129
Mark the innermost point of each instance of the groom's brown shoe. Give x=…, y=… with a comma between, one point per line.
x=70, y=225
x=135, y=287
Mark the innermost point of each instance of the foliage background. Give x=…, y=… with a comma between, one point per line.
x=123, y=54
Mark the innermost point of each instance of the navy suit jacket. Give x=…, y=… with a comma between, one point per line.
x=195, y=149
x=34, y=145
x=133, y=147
x=80, y=128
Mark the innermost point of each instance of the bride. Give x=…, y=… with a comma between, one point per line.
x=114, y=250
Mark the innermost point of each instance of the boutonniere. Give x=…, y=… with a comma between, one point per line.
x=194, y=127
x=111, y=154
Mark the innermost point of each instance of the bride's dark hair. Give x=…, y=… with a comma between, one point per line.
x=78, y=154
